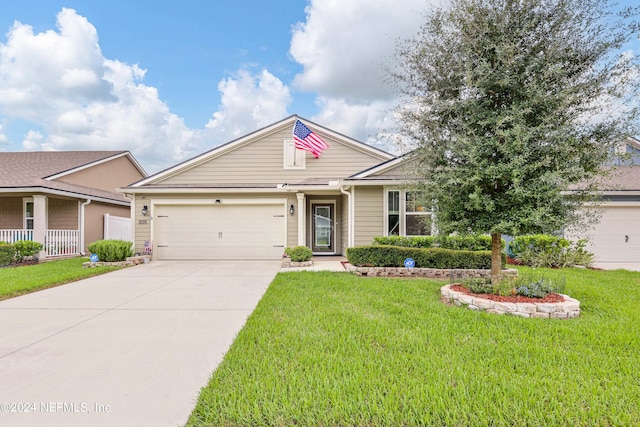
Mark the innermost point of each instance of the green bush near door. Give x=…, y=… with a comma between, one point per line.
x=111, y=250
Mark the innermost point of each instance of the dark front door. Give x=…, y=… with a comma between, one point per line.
x=323, y=239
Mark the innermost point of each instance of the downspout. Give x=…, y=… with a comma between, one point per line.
x=350, y=221
x=87, y=203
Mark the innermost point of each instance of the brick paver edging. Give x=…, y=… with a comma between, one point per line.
x=568, y=309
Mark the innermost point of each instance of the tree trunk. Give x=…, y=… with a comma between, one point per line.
x=496, y=258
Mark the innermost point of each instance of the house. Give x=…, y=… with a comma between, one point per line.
x=256, y=195
x=59, y=198
x=615, y=239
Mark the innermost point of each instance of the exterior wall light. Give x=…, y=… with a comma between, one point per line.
x=292, y=209
x=145, y=209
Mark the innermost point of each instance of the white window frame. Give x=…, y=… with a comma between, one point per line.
x=403, y=213
x=293, y=158
x=25, y=219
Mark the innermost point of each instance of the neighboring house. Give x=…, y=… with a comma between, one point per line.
x=59, y=198
x=616, y=237
x=254, y=196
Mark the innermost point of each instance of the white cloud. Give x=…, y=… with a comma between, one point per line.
x=368, y=122
x=248, y=102
x=345, y=49
x=344, y=46
x=61, y=82
x=33, y=141
x=3, y=138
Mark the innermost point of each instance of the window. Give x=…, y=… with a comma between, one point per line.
x=410, y=218
x=293, y=158
x=28, y=214
x=417, y=216
x=393, y=213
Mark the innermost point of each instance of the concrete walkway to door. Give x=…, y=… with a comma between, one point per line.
x=128, y=348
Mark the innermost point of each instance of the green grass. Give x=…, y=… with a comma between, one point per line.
x=23, y=280
x=332, y=349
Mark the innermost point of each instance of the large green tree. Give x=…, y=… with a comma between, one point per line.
x=511, y=103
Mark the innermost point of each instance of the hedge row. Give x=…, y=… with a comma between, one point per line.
x=394, y=256
x=7, y=253
x=469, y=242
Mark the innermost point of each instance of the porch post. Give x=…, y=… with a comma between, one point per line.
x=40, y=222
x=302, y=219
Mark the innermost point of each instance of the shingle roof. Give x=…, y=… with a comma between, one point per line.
x=625, y=178
x=30, y=169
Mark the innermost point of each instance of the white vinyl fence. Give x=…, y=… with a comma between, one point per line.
x=117, y=228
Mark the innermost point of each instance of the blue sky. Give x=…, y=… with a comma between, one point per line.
x=169, y=80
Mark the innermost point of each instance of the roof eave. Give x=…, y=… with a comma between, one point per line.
x=56, y=192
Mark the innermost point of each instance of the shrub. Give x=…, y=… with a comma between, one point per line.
x=299, y=253
x=7, y=253
x=470, y=242
x=111, y=250
x=394, y=256
x=478, y=286
x=535, y=285
x=407, y=242
x=26, y=248
x=543, y=250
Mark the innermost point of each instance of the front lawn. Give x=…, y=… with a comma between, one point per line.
x=332, y=349
x=16, y=281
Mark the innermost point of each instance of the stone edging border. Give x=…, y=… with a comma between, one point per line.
x=568, y=309
x=428, y=273
x=134, y=260
x=287, y=263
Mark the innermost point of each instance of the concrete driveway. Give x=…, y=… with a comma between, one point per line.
x=129, y=348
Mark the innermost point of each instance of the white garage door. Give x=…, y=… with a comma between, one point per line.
x=226, y=231
x=617, y=237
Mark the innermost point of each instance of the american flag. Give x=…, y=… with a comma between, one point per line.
x=308, y=140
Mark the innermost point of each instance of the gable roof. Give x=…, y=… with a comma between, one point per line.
x=254, y=136
x=38, y=171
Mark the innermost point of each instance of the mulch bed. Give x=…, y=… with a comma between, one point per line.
x=512, y=298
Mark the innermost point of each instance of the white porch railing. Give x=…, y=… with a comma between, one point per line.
x=62, y=242
x=10, y=236
x=56, y=242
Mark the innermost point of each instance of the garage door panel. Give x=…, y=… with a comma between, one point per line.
x=616, y=238
x=219, y=231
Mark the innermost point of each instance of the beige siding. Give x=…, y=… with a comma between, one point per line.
x=142, y=224
x=94, y=219
x=63, y=214
x=261, y=162
x=408, y=169
x=11, y=211
x=369, y=214
x=106, y=176
x=292, y=222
